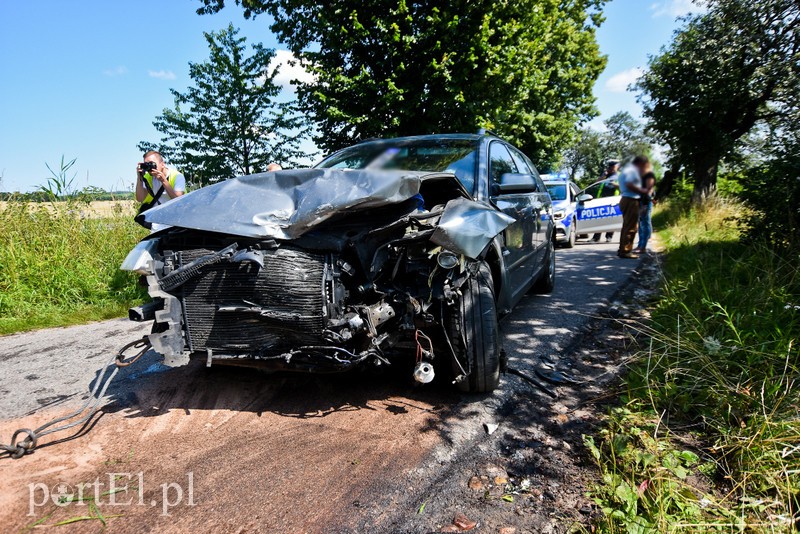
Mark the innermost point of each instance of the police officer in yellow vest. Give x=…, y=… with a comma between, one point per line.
x=156, y=183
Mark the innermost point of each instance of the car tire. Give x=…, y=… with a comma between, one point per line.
x=474, y=334
x=547, y=280
x=573, y=235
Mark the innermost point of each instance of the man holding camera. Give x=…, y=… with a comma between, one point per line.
x=156, y=183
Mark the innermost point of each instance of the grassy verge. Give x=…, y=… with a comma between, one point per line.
x=59, y=267
x=708, y=437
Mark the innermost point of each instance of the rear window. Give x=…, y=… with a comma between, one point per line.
x=457, y=156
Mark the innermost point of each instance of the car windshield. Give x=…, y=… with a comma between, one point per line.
x=557, y=191
x=438, y=155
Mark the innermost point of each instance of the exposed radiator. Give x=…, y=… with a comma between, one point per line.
x=289, y=289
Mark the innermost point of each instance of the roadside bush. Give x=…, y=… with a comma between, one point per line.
x=709, y=437
x=773, y=191
x=58, y=267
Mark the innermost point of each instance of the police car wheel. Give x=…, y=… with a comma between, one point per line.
x=572, y=235
x=547, y=280
x=474, y=334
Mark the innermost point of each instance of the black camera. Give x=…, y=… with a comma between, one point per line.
x=148, y=166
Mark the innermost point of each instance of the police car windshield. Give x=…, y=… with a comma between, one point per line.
x=439, y=155
x=557, y=191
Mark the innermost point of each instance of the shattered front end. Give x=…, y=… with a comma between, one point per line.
x=335, y=269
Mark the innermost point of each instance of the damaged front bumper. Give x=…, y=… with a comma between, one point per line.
x=325, y=300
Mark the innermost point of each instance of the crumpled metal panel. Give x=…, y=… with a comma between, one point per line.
x=284, y=204
x=466, y=226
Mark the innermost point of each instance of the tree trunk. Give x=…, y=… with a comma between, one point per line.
x=705, y=178
x=664, y=187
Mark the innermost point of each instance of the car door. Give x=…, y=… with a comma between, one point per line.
x=601, y=213
x=519, y=236
x=540, y=202
x=573, y=191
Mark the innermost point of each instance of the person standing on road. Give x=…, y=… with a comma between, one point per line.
x=646, y=212
x=156, y=183
x=630, y=187
x=612, y=169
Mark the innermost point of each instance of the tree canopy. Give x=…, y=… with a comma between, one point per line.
x=725, y=70
x=230, y=121
x=524, y=69
x=623, y=138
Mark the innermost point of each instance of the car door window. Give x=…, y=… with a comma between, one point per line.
x=500, y=162
x=519, y=159
x=594, y=190
x=608, y=189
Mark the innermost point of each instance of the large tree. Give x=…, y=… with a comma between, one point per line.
x=231, y=120
x=623, y=138
x=585, y=157
x=725, y=70
x=524, y=69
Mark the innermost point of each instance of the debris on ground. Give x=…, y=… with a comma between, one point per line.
x=478, y=483
x=461, y=523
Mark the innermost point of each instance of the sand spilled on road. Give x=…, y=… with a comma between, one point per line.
x=270, y=454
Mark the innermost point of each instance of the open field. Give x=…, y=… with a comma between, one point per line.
x=95, y=208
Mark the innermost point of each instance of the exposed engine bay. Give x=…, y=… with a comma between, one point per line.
x=351, y=285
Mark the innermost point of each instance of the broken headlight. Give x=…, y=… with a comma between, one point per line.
x=140, y=259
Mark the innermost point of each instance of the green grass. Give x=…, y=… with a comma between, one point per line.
x=708, y=438
x=58, y=268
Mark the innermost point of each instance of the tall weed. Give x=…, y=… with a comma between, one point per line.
x=718, y=370
x=58, y=267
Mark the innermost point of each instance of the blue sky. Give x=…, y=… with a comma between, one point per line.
x=86, y=78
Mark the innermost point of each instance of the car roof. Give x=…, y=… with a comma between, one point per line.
x=428, y=137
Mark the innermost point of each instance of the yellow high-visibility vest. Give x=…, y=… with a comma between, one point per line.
x=173, y=173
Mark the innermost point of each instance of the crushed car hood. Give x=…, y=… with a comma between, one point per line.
x=284, y=204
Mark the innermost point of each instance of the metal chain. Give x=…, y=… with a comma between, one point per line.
x=18, y=449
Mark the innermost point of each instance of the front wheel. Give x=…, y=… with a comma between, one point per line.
x=474, y=334
x=547, y=280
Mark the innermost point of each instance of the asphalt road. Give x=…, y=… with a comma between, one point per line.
x=249, y=452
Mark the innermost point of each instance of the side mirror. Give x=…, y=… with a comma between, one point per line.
x=583, y=197
x=512, y=182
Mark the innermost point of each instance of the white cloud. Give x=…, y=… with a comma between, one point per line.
x=676, y=8
x=619, y=82
x=161, y=74
x=116, y=71
x=289, y=70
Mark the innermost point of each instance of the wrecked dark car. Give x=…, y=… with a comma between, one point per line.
x=391, y=250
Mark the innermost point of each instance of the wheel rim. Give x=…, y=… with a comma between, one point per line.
x=551, y=268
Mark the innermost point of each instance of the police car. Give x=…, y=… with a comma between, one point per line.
x=563, y=193
x=597, y=208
